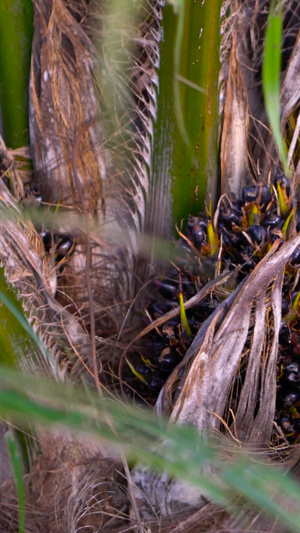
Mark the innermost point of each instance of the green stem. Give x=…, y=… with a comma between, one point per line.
x=185, y=160
x=16, y=29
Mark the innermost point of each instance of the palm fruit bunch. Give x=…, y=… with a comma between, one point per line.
x=235, y=238
x=57, y=244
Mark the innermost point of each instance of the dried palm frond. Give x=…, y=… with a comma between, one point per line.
x=71, y=483
x=71, y=486
x=28, y=268
x=93, y=154
x=234, y=169
x=242, y=86
x=247, y=337
x=227, y=380
x=10, y=170
x=64, y=109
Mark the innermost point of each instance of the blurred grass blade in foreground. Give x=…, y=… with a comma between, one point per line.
x=271, y=77
x=178, y=450
x=16, y=465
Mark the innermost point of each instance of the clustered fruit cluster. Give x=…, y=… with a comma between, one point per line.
x=60, y=245
x=235, y=238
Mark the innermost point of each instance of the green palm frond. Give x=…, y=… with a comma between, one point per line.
x=16, y=28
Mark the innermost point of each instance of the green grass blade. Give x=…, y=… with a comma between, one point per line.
x=271, y=77
x=12, y=332
x=16, y=465
x=20, y=346
x=20, y=318
x=16, y=29
x=267, y=488
x=16, y=334
x=132, y=430
x=176, y=450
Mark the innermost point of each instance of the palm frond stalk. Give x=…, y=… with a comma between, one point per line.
x=16, y=28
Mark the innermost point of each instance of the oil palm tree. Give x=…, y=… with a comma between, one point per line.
x=111, y=121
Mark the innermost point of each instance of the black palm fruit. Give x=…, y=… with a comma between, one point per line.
x=284, y=182
x=258, y=234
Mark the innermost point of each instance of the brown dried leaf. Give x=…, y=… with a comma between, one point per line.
x=9, y=170
x=64, y=109
x=290, y=90
x=76, y=164
x=242, y=331
x=254, y=316
x=235, y=129
x=23, y=258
